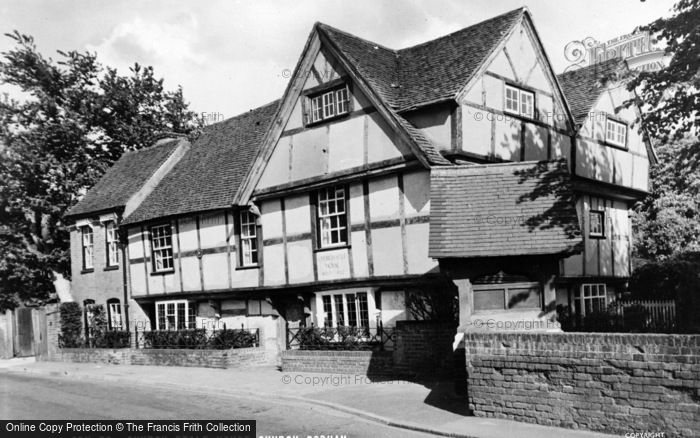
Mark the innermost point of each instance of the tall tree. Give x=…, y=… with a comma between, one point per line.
x=74, y=120
x=668, y=221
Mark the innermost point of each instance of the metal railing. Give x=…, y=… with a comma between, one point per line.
x=200, y=338
x=341, y=338
x=223, y=339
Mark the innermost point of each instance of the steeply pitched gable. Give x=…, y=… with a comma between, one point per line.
x=428, y=72
x=583, y=87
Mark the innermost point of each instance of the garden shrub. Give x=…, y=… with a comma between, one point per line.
x=71, y=326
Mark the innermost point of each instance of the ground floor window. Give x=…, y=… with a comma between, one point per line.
x=175, y=315
x=590, y=298
x=345, y=309
x=114, y=314
x=507, y=296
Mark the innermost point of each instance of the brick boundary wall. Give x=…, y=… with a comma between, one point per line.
x=615, y=383
x=421, y=349
x=340, y=362
x=233, y=358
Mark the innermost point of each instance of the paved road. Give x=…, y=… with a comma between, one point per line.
x=55, y=398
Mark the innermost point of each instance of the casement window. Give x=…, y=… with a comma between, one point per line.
x=596, y=219
x=114, y=314
x=329, y=104
x=88, y=247
x=112, y=244
x=332, y=217
x=249, y=239
x=507, y=296
x=345, y=310
x=175, y=315
x=519, y=101
x=615, y=133
x=590, y=298
x=162, y=247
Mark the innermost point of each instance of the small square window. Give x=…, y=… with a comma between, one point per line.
x=615, y=133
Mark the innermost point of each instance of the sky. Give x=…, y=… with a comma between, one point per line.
x=230, y=56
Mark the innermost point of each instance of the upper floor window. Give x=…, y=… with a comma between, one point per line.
x=175, y=315
x=329, y=104
x=332, y=217
x=112, y=239
x=162, y=247
x=519, y=101
x=615, y=133
x=249, y=239
x=88, y=247
x=597, y=223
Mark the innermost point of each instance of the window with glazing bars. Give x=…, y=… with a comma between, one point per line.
x=249, y=239
x=112, y=244
x=332, y=218
x=162, y=246
x=88, y=247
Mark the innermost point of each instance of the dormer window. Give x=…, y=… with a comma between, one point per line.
x=520, y=102
x=329, y=104
x=615, y=133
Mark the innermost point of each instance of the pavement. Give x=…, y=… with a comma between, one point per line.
x=429, y=407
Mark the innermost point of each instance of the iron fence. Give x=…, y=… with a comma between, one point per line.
x=222, y=339
x=341, y=338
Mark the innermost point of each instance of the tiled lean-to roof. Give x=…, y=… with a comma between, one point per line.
x=507, y=209
x=121, y=181
x=209, y=174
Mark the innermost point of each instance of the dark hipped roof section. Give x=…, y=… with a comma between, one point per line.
x=208, y=176
x=429, y=72
x=507, y=209
x=121, y=181
x=583, y=86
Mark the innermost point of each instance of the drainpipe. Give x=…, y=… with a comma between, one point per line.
x=126, y=287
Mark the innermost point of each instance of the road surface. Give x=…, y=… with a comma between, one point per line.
x=25, y=397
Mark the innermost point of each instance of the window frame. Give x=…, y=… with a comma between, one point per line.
x=319, y=217
x=189, y=313
x=114, y=308
x=325, y=105
x=359, y=309
x=506, y=287
x=520, y=91
x=254, y=239
x=580, y=298
x=597, y=234
x=617, y=123
x=169, y=227
x=85, y=231
x=111, y=245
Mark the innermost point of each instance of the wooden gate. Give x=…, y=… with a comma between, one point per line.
x=28, y=326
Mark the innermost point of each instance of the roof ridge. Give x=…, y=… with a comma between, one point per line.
x=506, y=164
x=346, y=33
x=602, y=64
x=451, y=34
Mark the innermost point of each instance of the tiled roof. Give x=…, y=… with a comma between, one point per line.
x=427, y=72
x=208, y=176
x=126, y=176
x=508, y=209
x=583, y=86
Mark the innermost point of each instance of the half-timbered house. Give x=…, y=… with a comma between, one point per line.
x=463, y=162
